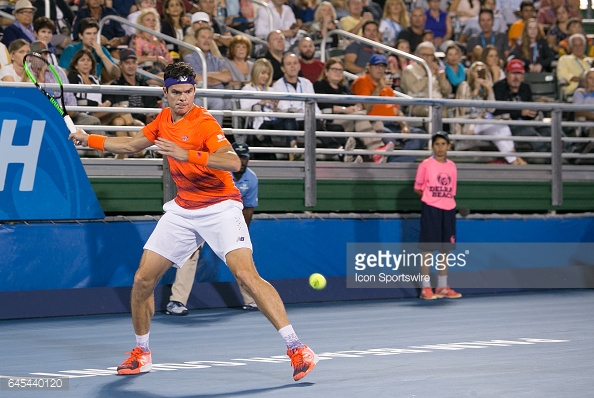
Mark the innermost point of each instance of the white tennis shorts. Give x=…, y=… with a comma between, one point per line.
x=180, y=232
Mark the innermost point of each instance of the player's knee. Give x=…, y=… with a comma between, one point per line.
x=143, y=281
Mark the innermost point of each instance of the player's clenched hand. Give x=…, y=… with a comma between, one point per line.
x=79, y=138
x=168, y=148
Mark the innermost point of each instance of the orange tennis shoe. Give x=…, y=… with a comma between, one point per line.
x=427, y=294
x=138, y=362
x=447, y=292
x=303, y=360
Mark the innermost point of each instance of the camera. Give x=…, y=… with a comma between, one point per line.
x=482, y=73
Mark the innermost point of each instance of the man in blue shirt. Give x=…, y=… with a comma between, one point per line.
x=247, y=183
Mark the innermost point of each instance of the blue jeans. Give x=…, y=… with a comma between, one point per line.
x=409, y=145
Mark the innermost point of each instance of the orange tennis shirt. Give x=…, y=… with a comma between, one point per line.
x=197, y=186
x=363, y=85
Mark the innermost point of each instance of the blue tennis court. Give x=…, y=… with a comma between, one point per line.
x=513, y=345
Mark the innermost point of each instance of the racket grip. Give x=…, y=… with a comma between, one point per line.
x=69, y=124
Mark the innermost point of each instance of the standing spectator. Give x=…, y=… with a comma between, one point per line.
x=472, y=26
x=533, y=49
x=22, y=27
x=356, y=19
x=43, y=29
x=571, y=68
x=112, y=33
x=479, y=88
x=357, y=54
x=435, y=183
x=129, y=78
x=415, y=82
x=558, y=31
x=373, y=83
x=325, y=20
x=62, y=16
x=311, y=68
x=247, y=182
x=15, y=71
x=283, y=19
x=151, y=51
x=514, y=34
x=88, y=29
x=438, y=22
x=133, y=16
x=414, y=33
x=490, y=57
x=238, y=61
x=276, y=49
x=465, y=9
x=216, y=71
x=476, y=43
x=454, y=69
x=173, y=24
x=394, y=19
x=513, y=88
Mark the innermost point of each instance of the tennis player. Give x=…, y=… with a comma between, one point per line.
x=207, y=208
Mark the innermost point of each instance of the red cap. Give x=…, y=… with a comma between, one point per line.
x=515, y=66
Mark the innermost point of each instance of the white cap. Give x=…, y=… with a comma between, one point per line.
x=200, y=17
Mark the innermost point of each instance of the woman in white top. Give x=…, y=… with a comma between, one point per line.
x=261, y=79
x=395, y=18
x=15, y=71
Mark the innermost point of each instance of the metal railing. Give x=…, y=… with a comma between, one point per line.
x=309, y=133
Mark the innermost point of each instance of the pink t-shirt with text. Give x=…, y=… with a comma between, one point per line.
x=438, y=182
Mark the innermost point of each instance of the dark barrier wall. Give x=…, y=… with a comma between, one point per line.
x=95, y=259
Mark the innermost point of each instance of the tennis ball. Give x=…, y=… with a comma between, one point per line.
x=317, y=281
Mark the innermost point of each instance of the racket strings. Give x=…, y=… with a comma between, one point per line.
x=43, y=76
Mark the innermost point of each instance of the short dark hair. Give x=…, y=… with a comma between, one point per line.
x=87, y=23
x=43, y=22
x=572, y=21
x=525, y=4
x=372, y=22
x=177, y=70
x=487, y=11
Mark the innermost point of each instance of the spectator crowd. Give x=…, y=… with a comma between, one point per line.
x=474, y=50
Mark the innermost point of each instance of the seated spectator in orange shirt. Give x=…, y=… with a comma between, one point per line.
x=514, y=34
x=374, y=83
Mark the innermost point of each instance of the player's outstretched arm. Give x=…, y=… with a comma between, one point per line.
x=223, y=158
x=119, y=145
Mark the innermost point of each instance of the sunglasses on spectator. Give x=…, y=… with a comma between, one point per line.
x=336, y=70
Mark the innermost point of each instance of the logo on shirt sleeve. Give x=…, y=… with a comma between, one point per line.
x=221, y=137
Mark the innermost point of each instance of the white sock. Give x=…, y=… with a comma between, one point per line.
x=425, y=283
x=442, y=280
x=143, y=342
x=291, y=339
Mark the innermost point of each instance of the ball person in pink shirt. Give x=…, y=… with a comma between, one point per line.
x=435, y=183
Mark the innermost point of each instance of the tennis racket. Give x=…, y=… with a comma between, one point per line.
x=36, y=67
